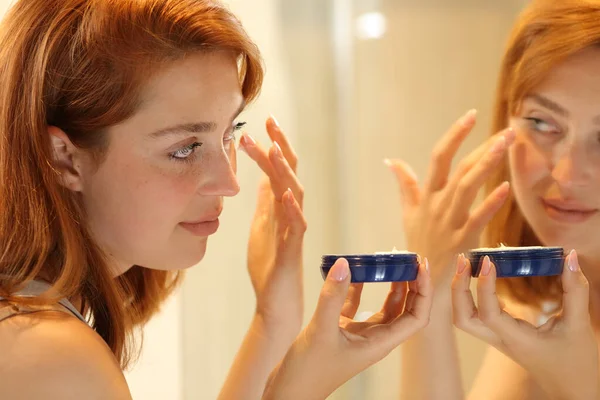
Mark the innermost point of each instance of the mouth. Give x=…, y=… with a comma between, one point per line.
x=205, y=226
x=568, y=211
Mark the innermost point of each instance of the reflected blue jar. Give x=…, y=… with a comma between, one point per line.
x=514, y=262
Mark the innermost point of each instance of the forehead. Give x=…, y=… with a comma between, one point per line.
x=201, y=85
x=576, y=79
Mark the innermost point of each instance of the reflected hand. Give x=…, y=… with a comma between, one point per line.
x=561, y=355
x=438, y=219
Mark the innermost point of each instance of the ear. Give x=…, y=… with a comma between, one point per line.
x=66, y=159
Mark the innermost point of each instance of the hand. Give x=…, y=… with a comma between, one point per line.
x=438, y=220
x=333, y=348
x=276, y=238
x=561, y=355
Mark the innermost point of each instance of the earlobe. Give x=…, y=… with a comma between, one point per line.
x=65, y=159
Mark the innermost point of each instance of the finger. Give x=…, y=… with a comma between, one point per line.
x=484, y=213
x=576, y=294
x=394, y=302
x=464, y=311
x=410, y=322
x=421, y=293
x=445, y=150
x=284, y=177
x=296, y=224
x=476, y=155
x=413, y=290
x=257, y=153
x=276, y=134
x=501, y=323
x=466, y=189
x=332, y=298
x=407, y=180
x=352, y=302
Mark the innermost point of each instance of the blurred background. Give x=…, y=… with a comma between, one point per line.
x=352, y=82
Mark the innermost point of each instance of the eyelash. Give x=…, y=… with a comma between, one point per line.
x=535, y=122
x=236, y=128
x=189, y=158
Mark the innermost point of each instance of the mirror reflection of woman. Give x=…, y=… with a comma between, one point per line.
x=542, y=168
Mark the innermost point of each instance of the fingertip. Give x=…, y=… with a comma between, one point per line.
x=486, y=266
x=505, y=186
x=273, y=121
x=340, y=271
x=510, y=134
x=469, y=118
x=288, y=197
x=460, y=264
x=573, y=261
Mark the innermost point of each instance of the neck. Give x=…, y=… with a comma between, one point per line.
x=590, y=265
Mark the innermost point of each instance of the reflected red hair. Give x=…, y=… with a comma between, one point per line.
x=545, y=34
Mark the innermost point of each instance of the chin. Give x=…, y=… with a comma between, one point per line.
x=181, y=258
x=193, y=258
x=575, y=237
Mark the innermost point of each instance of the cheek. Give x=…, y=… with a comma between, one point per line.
x=138, y=200
x=528, y=165
x=233, y=157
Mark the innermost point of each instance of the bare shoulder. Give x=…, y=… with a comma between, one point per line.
x=52, y=355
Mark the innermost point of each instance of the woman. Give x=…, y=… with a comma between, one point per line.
x=543, y=174
x=118, y=123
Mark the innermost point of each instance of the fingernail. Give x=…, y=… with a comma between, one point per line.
x=427, y=265
x=462, y=264
x=339, y=272
x=510, y=132
x=290, y=197
x=387, y=162
x=469, y=117
x=278, y=151
x=275, y=120
x=248, y=140
x=573, y=262
x=242, y=146
x=486, y=267
x=499, y=145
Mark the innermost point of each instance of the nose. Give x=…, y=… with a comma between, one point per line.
x=220, y=176
x=571, y=166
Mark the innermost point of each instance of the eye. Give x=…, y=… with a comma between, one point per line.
x=231, y=135
x=185, y=153
x=539, y=125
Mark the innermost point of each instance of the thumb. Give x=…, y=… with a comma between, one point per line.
x=576, y=294
x=332, y=297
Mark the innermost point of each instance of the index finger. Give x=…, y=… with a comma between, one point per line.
x=576, y=296
x=276, y=134
x=445, y=150
x=508, y=329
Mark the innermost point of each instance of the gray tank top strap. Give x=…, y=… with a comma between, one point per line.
x=34, y=289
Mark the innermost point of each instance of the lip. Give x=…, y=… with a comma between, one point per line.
x=567, y=211
x=204, y=227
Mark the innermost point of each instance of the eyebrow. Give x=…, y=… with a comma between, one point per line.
x=549, y=104
x=193, y=127
x=557, y=108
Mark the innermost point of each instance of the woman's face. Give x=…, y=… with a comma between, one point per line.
x=158, y=194
x=555, y=161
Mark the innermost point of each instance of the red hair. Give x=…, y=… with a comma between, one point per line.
x=545, y=34
x=80, y=65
